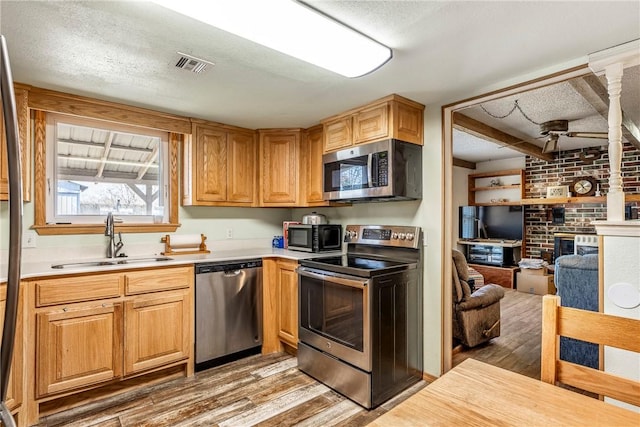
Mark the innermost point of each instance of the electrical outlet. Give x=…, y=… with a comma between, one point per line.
x=29, y=239
x=229, y=233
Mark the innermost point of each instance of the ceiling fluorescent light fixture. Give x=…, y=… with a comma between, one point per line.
x=292, y=28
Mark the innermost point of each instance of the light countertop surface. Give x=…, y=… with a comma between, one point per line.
x=34, y=268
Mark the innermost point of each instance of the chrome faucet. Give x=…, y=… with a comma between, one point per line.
x=113, y=248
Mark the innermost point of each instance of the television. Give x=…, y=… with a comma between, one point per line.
x=491, y=222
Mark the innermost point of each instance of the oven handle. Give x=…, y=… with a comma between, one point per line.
x=360, y=284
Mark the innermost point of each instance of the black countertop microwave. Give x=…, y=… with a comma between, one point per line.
x=377, y=171
x=315, y=237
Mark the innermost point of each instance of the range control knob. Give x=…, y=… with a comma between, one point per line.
x=394, y=236
x=402, y=236
x=351, y=234
x=409, y=236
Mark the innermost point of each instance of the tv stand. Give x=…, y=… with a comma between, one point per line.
x=492, y=252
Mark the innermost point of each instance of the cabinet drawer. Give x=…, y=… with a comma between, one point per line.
x=75, y=289
x=140, y=282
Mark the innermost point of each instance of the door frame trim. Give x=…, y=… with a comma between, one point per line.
x=447, y=188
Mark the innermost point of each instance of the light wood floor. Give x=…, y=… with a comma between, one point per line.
x=255, y=391
x=518, y=346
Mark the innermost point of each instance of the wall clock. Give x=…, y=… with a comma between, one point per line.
x=584, y=186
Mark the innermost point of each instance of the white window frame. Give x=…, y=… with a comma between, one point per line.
x=52, y=170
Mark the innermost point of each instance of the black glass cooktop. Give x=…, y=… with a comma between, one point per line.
x=356, y=265
x=358, y=262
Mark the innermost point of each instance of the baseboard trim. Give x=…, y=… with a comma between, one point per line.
x=428, y=377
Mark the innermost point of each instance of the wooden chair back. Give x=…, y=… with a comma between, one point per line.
x=594, y=327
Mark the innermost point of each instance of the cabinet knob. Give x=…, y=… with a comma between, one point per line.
x=65, y=309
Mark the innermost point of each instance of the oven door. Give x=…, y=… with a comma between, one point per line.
x=334, y=315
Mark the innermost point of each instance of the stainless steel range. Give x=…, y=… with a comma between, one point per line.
x=360, y=317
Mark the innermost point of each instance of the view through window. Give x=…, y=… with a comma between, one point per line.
x=100, y=167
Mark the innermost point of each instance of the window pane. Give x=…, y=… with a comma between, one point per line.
x=102, y=170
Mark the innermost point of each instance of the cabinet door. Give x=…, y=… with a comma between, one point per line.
x=14, y=389
x=78, y=346
x=22, y=111
x=371, y=124
x=315, y=184
x=241, y=161
x=287, y=292
x=156, y=330
x=338, y=134
x=280, y=168
x=408, y=123
x=210, y=164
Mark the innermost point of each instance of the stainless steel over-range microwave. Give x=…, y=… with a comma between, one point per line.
x=378, y=171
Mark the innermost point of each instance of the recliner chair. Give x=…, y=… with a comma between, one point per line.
x=576, y=279
x=476, y=316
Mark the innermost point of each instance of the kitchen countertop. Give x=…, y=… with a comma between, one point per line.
x=44, y=269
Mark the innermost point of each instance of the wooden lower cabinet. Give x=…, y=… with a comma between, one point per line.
x=156, y=330
x=287, y=291
x=14, y=389
x=280, y=305
x=139, y=330
x=78, y=346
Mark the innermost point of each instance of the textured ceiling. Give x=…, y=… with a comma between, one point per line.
x=556, y=102
x=444, y=51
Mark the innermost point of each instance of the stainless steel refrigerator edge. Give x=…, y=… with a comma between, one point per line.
x=15, y=227
x=228, y=300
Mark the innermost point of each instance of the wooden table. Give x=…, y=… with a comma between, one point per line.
x=478, y=394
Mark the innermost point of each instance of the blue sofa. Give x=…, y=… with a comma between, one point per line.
x=576, y=280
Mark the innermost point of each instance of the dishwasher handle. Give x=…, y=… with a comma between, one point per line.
x=226, y=266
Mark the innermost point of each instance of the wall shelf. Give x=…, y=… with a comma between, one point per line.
x=569, y=200
x=509, y=192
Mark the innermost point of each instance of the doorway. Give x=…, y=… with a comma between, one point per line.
x=449, y=212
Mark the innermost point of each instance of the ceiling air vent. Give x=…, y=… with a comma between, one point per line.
x=191, y=63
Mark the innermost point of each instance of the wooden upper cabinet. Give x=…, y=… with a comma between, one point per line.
x=390, y=117
x=211, y=164
x=371, y=124
x=22, y=110
x=279, y=167
x=338, y=133
x=219, y=166
x=408, y=122
x=242, y=166
x=313, y=149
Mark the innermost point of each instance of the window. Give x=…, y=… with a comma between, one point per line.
x=96, y=167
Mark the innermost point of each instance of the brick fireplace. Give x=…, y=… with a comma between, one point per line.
x=540, y=229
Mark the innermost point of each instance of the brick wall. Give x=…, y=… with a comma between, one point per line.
x=568, y=165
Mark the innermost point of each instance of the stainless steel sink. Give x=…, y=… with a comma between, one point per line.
x=112, y=261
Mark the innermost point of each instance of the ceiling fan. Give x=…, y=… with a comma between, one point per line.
x=554, y=129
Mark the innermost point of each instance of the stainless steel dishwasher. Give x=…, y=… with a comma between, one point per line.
x=228, y=305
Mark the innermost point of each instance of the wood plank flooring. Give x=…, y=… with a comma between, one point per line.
x=256, y=391
x=518, y=346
